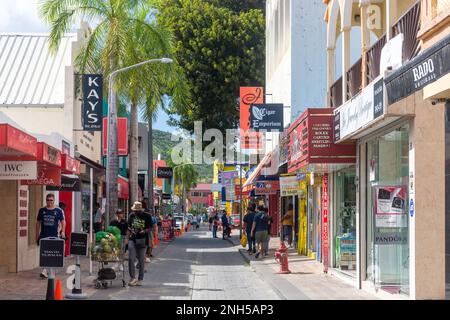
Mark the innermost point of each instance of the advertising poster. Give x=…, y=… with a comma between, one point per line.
x=228, y=178
x=390, y=207
x=289, y=186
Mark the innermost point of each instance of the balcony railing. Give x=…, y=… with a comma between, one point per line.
x=336, y=94
x=373, y=59
x=409, y=25
x=354, y=79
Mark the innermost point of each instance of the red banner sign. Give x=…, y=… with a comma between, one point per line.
x=49, y=176
x=70, y=165
x=48, y=154
x=311, y=141
x=122, y=139
x=325, y=244
x=16, y=144
x=249, y=138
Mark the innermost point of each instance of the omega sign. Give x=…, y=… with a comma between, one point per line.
x=18, y=170
x=92, y=102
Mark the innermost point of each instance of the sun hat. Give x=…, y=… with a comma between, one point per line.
x=137, y=206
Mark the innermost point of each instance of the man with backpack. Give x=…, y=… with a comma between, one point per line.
x=259, y=231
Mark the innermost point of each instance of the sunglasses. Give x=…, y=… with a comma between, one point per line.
x=50, y=200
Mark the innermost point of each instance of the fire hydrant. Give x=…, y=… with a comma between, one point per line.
x=281, y=256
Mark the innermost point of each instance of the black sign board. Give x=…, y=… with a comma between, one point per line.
x=71, y=184
x=267, y=117
x=378, y=99
x=166, y=196
x=51, y=253
x=79, y=244
x=92, y=102
x=164, y=172
x=337, y=126
x=426, y=68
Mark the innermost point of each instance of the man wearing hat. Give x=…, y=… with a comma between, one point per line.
x=139, y=224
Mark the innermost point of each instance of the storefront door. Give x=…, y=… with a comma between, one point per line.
x=387, y=229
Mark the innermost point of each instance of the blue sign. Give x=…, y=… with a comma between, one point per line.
x=301, y=176
x=411, y=207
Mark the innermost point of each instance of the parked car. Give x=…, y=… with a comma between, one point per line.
x=235, y=221
x=178, y=225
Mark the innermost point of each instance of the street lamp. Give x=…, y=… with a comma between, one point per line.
x=112, y=168
x=173, y=180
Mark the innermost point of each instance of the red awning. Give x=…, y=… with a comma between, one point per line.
x=123, y=188
x=69, y=164
x=47, y=155
x=49, y=166
x=16, y=144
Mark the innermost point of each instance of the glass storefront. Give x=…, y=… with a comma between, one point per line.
x=387, y=228
x=345, y=221
x=314, y=219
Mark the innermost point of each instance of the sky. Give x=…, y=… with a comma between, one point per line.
x=22, y=16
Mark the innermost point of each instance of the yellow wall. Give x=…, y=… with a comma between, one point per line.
x=302, y=203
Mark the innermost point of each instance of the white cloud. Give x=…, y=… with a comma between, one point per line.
x=20, y=16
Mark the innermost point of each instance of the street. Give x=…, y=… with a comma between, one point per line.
x=195, y=267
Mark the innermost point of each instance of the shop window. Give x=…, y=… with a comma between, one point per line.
x=387, y=251
x=34, y=204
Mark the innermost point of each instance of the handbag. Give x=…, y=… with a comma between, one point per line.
x=244, y=241
x=140, y=243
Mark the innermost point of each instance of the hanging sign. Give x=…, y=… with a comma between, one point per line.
x=288, y=186
x=48, y=176
x=267, y=117
x=164, y=172
x=249, y=138
x=92, y=102
x=122, y=138
x=266, y=187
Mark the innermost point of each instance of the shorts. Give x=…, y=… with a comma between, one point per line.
x=287, y=231
x=261, y=236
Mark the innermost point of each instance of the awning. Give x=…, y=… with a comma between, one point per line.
x=49, y=166
x=16, y=144
x=257, y=172
x=123, y=190
x=70, y=183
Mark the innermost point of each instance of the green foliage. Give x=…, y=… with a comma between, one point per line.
x=219, y=50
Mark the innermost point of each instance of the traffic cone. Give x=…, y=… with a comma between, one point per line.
x=58, y=290
x=155, y=239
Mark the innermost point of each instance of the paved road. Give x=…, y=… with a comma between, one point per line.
x=198, y=267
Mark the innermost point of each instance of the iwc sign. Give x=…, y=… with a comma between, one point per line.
x=18, y=170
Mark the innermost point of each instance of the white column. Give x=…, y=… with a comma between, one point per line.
x=391, y=16
x=330, y=73
x=345, y=61
x=365, y=40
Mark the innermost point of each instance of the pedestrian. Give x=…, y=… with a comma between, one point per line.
x=248, y=223
x=199, y=220
x=269, y=229
x=98, y=218
x=259, y=230
x=210, y=220
x=139, y=224
x=50, y=223
x=225, y=226
x=215, y=225
x=151, y=235
x=287, y=221
x=121, y=223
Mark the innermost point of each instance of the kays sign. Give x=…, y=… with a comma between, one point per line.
x=92, y=102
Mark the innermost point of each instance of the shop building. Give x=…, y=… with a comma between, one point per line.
x=397, y=133
x=37, y=97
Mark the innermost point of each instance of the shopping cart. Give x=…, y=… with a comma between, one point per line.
x=110, y=268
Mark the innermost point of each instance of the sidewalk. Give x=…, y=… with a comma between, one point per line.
x=27, y=285
x=307, y=280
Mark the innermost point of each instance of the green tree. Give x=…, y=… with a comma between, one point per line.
x=110, y=46
x=219, y=50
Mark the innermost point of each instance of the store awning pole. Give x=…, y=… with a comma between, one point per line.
x=91, y=214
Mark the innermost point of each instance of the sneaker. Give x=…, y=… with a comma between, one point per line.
x=257, y=255
x=44, y=274
x=133, y=283
x=139, y=283
x=147, y=260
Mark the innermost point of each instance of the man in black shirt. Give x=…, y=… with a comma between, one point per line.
x=120, y=222
x=139, y=224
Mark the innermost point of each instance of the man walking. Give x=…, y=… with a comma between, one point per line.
x=259, y=231
x=139, y=224
x=50, y=223
x=215, y=225
x=248, y=223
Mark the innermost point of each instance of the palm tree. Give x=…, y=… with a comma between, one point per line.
x=185, y=177
x=107, y=49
